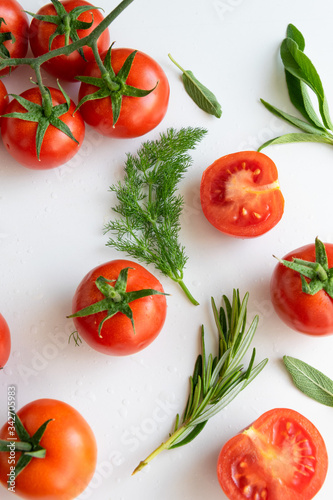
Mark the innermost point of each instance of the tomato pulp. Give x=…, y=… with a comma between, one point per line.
x=281, y=456
x=240, y=194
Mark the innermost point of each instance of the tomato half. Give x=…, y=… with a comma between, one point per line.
x=66, y=67
x=138, y=115
x=4, y=99
x=117, y=336
x=71, y=452
x=5, y=342
x=310, y=314
x=17, y=24
x=19, y=136
x=240, y=194
x=281, y=456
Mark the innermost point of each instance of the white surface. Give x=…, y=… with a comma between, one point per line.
x=51, y=235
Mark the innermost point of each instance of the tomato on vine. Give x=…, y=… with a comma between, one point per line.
x=125, y=97
x=60, y=23
x=14, y=27
x=119, y=308
x=41, y=132
x=4, y=99
x=53, y=451
x=5, y=342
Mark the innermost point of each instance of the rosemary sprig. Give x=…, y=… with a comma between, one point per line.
x=216, y=381
x=149, y=208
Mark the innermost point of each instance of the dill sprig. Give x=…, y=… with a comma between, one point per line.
x=148, y=205
x=216, y=381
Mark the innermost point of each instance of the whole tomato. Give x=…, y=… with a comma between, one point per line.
x=16, y=22
x=138, y=115
x=70, y=452
x=5, y=342
x=301, y=310
x=40, y=32
x=281, y=456
x=19, y=135
x=4, y=99
x=131, y=326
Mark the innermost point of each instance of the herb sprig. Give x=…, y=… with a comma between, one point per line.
x=310, y=381
x=300, y=75
x=216, y=380
x=149, y=208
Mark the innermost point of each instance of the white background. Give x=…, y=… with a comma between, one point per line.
x=51, y=235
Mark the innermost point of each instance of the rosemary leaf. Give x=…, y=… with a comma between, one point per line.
x=149, y=208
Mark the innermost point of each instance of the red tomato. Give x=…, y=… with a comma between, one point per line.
x=17, y=24
x=240, y=194
x=4, y=99
x=311, y=314
x=281, y=456
x=71, y=452
x=65, y=67
x=5, y=342
x=138, y=115
x=19, y=136
x=117, y=334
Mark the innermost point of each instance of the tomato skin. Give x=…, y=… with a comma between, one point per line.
x=118, y=337
x=4, y=99
x=65, y=67
x=310, y=314
x=19, y=136
x=138, y=115
x=5, y=341
x=282, y=455
x=240, y=194
x=71, y=452
x=17, y=23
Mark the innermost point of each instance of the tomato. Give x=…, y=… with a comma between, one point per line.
x=19, y=136
x=310, y=314
x=281, y=455
x=5, y=342
x=117, y=335
x=4, y=99
x=240, y=194
x=66, y=67
x=17, y=24
x=138, y=115
x=71, y=452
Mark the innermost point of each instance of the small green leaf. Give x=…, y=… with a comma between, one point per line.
x=296, y=35
x=310, y=381
x=290, y=138
x=201, y=95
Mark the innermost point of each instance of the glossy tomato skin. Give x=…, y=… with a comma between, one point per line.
x=138, y=115
x=17, y=23
x=65, y=67
x=118, y=337
x=71, y=452
x=240, y=194
x=5, y=342
x=310, y=314
x=281, y=456
x=19, y=136
x=4, y=99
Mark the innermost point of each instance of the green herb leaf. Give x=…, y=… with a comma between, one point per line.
x=310, y=381
x=200, y=94
x=216, y=380
x=148, y=207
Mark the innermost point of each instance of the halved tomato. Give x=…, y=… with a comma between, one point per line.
x=281, y=456
x=240, y=194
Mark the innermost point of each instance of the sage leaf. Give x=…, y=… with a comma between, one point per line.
x=296, y=35
x=310, y=381
x=201, y=95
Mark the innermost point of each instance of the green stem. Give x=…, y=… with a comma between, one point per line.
x=175, y=62
x=186, y=290
x=19, y=445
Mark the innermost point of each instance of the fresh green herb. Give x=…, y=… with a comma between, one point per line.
x=150, y=210
x=300, y=75
x=200, y=94
x=216, y=380
x=320, y=276
x=310, y=381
